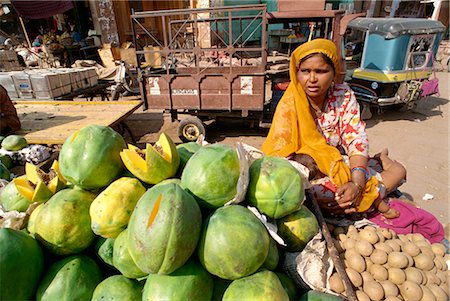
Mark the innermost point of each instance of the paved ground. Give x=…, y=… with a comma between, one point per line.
x=419, y=139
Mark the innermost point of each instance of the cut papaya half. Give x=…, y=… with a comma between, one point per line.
x=33, y=193
x=154, y=164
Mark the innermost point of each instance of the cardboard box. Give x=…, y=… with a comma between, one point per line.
x=153, y=59
x=296, y=5
x=23, y=85
x=45, y=81
x=109, y=54
x=128, y=55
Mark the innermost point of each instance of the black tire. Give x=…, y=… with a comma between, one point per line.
x=115, y=93
x=190, y=129
x=131, y=83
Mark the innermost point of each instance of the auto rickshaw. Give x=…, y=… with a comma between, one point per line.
x=389, y=61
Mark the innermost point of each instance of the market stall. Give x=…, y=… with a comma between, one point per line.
x=240, y=223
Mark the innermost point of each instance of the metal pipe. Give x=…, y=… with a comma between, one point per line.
x=196, y=10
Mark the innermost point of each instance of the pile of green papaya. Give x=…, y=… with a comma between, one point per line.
x=117, y=222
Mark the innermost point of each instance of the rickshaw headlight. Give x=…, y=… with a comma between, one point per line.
x=374, y=85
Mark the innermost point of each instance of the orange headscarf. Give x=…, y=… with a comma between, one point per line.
x=293, y=128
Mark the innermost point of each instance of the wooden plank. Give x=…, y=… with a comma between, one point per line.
x=51, y=122
x=334, y=254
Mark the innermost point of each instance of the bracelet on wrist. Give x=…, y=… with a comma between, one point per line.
x=361, y=168
x=360, y=188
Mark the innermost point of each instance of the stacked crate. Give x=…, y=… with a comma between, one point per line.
x=47, y=83
x=7, y=82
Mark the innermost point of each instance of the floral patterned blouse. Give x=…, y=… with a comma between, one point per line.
x=341, y=123
x=342, y=127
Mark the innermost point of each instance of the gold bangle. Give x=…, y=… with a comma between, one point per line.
x=360, y=188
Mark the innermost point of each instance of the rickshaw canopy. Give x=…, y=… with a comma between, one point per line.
x=395, y=58
x=397, y=49
x=391, y=28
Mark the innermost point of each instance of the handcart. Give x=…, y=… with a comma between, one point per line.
x=216, y=63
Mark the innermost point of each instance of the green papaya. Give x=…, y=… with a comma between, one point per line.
x=6, y=160
x=262, y=286
x=164, y=229
x=189, y=282
x=71, y=278
x=117, y=288
x=90, y=157
x=4, y=172
x=21, y=265
x=11, y=199
x=14, y=143
x=122, y=259
x=212, y=174
x=63, y=224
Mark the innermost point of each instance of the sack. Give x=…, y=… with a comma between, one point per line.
x=430, y=87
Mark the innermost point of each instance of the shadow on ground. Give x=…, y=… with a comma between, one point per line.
x=219, y=130
x=141, y=124
x=425, y=109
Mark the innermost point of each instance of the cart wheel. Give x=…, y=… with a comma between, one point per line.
x=190, y=129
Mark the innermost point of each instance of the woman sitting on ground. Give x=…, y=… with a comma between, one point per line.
x=321, y=119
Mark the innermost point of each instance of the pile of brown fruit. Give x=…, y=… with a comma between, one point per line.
x=382, y=265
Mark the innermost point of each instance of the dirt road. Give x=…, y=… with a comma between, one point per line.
x=419, y=139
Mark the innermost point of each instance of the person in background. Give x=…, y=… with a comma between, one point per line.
x=321, y=119
x=9, y=121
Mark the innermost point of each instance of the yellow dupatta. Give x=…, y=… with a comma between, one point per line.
x=294, y=130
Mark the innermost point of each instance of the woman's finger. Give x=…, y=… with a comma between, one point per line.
x=344, y=199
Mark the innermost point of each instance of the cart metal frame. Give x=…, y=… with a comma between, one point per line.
x=210, y=80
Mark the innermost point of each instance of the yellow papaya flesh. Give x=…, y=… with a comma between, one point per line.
x=53, y=179
x=24, y=187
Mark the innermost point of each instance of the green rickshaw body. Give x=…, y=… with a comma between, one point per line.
x=396, y=59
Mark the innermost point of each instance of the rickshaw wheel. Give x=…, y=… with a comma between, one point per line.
x=366, y=113
x=190, y=129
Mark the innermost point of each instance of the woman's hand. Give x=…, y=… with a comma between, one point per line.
x=331, y=207
x=347, y=196
x=340, y=205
